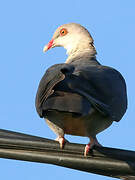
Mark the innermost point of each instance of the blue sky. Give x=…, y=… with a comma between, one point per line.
x=25, y=27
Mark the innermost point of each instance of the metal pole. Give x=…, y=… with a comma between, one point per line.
x=104, y=161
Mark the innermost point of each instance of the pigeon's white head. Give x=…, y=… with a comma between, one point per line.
x=74, y=38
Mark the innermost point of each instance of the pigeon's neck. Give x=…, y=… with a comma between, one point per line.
x=81, y=54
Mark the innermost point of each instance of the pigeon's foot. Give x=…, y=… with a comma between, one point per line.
x=61, y=140
x=88, y=147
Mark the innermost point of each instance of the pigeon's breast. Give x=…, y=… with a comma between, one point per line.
x=75, y=124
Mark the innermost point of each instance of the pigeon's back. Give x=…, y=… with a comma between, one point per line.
x=87, y=82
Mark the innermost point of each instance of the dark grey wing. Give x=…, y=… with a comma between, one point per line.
x=103, y=86
x=74, y=88
x=53, y=75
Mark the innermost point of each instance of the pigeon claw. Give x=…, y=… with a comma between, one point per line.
x=88, y=147
x=61, y=141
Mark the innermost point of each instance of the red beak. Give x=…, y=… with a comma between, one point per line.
x=48, y=46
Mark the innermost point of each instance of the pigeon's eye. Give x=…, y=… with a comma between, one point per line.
x=63, y=32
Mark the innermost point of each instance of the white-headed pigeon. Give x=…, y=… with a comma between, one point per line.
x=80, y=97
